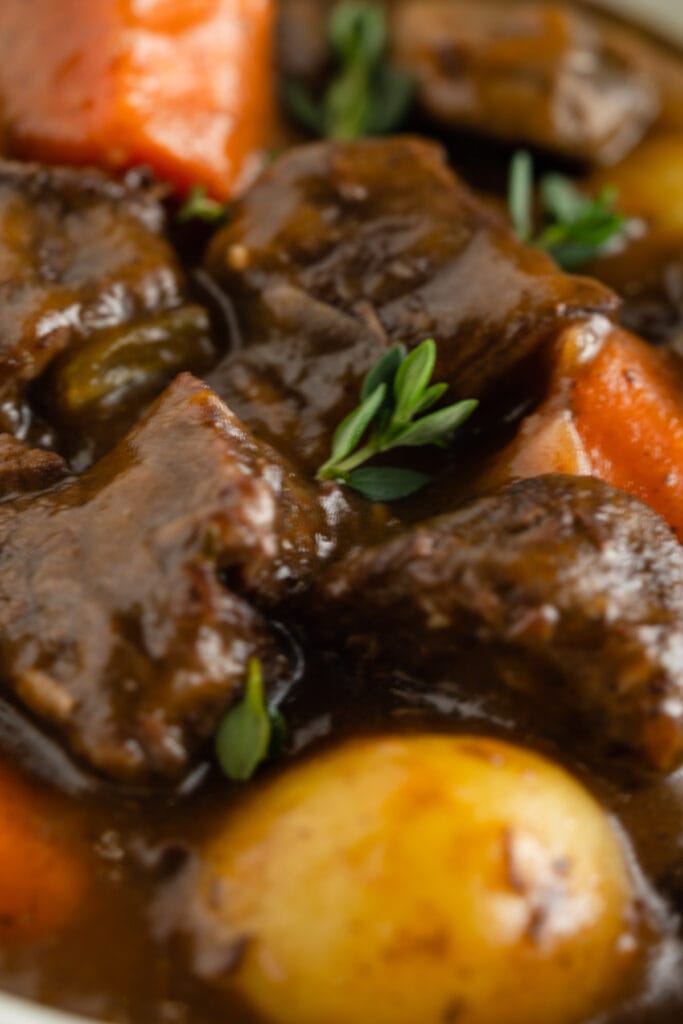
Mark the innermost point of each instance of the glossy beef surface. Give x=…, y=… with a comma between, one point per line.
x=342, y=249
x=563, y=587
x=117, y=626
x=87, y=274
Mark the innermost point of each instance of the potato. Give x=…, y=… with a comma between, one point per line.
x=650, y=184
x=421, y=880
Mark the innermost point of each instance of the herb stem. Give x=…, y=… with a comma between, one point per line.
x=520, y=194
x=396, y=411
x=367, y=95
x=574, y=228
x=338, y=470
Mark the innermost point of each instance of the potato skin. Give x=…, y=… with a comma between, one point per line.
x=422, y=880
x=650, y=184
x=647, y=270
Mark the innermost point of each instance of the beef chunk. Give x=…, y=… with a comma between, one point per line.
x=24, y=469
x=123, y=617
x=560, y=586
x=83, y=262
x=302, y=50
x=541, y=73
x=342, y=249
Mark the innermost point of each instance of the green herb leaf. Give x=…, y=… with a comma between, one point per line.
x=367, y=96
x=393, y=395
x=561, y=199
x=199, y=206
x=347, y=105
x=521, y=195
x=575, y=228
x=384, y=483
x=573, y=255
x=357, y=32
x=431, y=396
x=391, y=99
x=412, y=378
x=435, y=428
x=245, y=735
x=350, y=430
x=384, y=371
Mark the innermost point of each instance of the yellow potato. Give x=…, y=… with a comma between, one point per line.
x=650, y=184
x=421, y=880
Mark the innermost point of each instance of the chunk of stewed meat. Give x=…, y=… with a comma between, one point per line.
x=301, y=38
x=24, y=470
x=124, y=620
x=540, y=73
x=562, y=587
x=84, y=265
x=342, y=249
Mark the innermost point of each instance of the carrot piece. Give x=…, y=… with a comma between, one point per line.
x=616, y=414
x=628, y=409
x=42, y=880
x=184, y=86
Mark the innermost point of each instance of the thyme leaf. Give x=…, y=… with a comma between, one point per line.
x=574, y=228
x=199, y=206
x=366, y=95
x=249, y=730
x=395, y=396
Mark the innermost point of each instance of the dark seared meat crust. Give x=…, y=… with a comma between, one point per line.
x=342, y=249
x=78, y=252
x=563, y=586
x=89, y=282
x=124, y=620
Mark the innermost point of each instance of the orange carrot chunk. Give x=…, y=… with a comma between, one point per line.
x=42, y=879
x=628, y=409
x=616, y=415
x=184, y=86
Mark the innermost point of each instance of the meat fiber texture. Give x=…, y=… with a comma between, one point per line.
x=343, y=249
x=128, y=596
x=88, y=275
x=562, y=587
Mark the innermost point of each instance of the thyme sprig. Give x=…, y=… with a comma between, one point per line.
x=394, y=412
x=200, y=206
x=575, y=228
x=367, y=95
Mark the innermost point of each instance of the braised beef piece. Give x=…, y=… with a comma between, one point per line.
x=302, y=49
x=24, y=470
x=83, y=266
x=124, y=622
x=342, y=249
x=539, y=73
x=561, y=587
